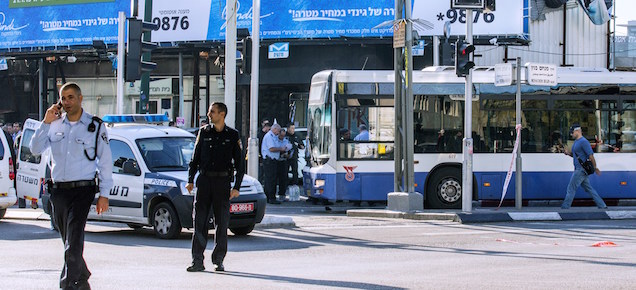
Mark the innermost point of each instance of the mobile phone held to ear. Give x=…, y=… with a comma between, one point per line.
x=59, y=108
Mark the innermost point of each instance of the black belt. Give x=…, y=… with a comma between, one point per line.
x=73, y=184
x=215, y=173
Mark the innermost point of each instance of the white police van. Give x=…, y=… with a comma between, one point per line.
x=32, y=170
x=150, y=171
x=7, y=176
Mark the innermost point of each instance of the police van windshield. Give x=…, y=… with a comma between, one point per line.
x=167, y=153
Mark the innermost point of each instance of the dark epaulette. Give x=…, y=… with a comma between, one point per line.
x=97, y=119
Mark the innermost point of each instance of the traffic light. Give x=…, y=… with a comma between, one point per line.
x=135, y=66
x=244, y=48
x=463, y=64
x=490, y=6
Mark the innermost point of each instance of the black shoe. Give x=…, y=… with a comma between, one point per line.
x=273, y=201
x=195, y=268
x=219, y=267
x=79, y=285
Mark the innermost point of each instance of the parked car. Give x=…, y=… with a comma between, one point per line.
x=150, y=172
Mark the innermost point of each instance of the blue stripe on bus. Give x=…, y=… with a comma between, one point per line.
x=536, y=185
x=553, y=185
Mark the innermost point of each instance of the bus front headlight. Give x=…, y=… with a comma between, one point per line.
x=319, y=183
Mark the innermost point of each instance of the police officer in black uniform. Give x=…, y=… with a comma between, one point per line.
x=217, y=153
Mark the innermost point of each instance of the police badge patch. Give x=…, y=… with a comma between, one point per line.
x=105, y=138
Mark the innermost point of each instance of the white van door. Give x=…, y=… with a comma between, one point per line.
x=126, y=196
x=32, y=169
x=7, y=175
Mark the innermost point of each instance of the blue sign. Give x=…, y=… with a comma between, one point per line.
x=3, y=64
x=287, y=19
x=278, y=50
x=55, y=24
x=418, y=49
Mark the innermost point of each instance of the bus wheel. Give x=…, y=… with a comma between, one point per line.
x=445, y=189
x=165, y=221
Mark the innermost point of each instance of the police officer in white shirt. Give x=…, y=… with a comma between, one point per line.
x=271, y=150
x=79, y=147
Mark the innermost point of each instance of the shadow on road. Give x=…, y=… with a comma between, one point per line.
x=12, y=231
x=304, y=281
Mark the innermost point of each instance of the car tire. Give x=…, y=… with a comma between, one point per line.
x=2, y=212
x=445, y=189
x=165, y=221
x=242, y=231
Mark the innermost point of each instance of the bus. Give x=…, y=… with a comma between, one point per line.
x=349, y=164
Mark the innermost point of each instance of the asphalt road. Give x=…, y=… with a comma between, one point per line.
x=329, y=250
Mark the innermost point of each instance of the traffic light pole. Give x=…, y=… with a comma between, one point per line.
x=404, y=198
x=144, y=90
x=467, y=165
x=121, y=51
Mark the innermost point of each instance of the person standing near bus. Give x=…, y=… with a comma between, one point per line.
x=283, y=164
x=271, y=150
x=293, y=157
x=583, y=150
x=73, y=185
x=217, y=153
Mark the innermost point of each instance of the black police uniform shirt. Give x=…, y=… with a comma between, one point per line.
x=214, y=152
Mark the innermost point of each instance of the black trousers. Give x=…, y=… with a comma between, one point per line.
x=293, y=162
x=282, y=167
x=70, y=211
x=214, y=193
x=270, y=169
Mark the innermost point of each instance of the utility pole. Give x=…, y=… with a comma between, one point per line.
x=404, y=197
x=252, y=168
x=230, y=62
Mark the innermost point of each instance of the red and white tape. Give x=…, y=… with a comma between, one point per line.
x=512, y=163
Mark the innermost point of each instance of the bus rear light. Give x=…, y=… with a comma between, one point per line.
x=486, y=184
x=623, y=183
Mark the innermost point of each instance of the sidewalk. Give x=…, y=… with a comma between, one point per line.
x=505, y=214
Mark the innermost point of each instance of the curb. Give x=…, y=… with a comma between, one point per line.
x=382, y=213
x=276, y=221
x=544, y=216
x=28, y=214
x=492, y=217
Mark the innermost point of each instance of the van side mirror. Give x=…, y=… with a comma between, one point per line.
x=131, y=167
